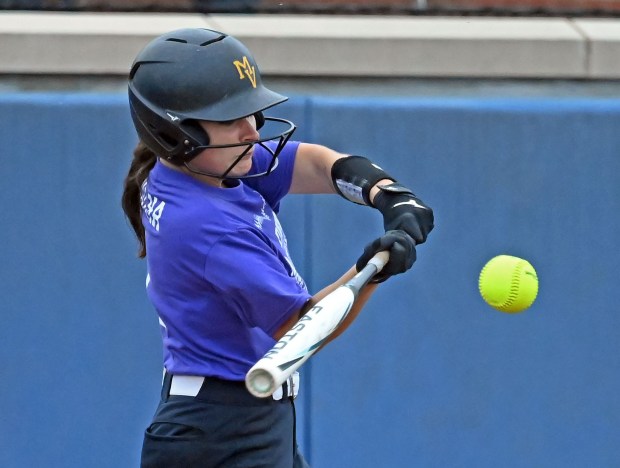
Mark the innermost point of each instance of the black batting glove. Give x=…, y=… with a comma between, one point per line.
x=402, y=254
x=402, y=210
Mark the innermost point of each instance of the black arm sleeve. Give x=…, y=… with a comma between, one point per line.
x=354, y=176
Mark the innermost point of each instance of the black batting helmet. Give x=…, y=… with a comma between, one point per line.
x=189, y=75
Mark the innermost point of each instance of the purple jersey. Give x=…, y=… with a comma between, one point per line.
x=219, y=273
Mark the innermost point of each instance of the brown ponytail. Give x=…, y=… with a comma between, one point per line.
x=143, y=161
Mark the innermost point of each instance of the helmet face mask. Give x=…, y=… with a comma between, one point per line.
x=280, y=140
x=189, y=75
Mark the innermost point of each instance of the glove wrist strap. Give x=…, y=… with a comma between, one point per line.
x=385, y=197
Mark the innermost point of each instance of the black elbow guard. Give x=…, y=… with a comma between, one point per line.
x=354, y=176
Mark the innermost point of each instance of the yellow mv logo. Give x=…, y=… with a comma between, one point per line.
x=246, y=70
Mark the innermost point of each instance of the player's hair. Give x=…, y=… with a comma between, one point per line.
x=143, y=161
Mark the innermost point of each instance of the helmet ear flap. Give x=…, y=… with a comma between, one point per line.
x=159, y=135
x=193, y=129
x=194, y=137
x=177, y=143
x=260, y=119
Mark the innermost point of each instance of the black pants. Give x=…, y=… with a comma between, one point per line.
x=223, y=426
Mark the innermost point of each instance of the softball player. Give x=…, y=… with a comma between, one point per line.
x=202, y=196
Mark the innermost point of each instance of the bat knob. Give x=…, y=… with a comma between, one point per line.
x=260, y=383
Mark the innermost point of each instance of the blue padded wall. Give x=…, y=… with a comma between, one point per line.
x=431, y=376
x=428, y=375
x=79, y=335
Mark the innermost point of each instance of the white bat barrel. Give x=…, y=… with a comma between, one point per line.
x=299, y=343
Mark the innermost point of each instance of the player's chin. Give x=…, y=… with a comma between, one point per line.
x=245, y=164
x=243, y=167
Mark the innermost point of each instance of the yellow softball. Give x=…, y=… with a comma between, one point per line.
x=508, y=283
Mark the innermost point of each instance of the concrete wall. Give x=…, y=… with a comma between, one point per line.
x=99, y=44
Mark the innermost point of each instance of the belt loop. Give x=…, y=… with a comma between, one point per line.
x=165, y=388
x=292, y=387
x=286, y=390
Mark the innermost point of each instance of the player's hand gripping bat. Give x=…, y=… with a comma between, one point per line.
x=309, y=333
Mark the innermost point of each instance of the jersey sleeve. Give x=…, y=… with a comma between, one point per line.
x=260, y=284
x=275, y=186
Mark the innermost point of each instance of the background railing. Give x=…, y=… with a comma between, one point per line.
x=386, y=7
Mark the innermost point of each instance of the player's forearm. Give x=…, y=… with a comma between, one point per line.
x=313, y=171
x=328, y=289
x=285, y=327
x=364, y=294
x=361, y=300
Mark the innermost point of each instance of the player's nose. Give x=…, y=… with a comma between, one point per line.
x=249, y=131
